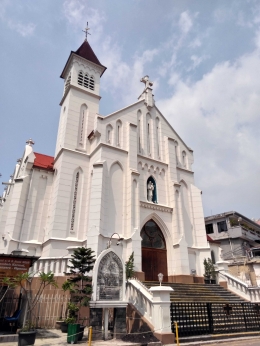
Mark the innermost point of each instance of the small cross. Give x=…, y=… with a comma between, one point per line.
x=86, y=32
x=227, y=309
x=146, y=81
x=30, y=142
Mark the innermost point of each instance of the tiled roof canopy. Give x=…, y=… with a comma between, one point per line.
x=43, y=161
x=86, y=52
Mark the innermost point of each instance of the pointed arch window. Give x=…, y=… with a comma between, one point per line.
x=91, y=83
x=74, y=202
x=158, y=136
x=152, y=236
x=139, y=116
x=109, y=131
x=151, y=190
x=148, y=125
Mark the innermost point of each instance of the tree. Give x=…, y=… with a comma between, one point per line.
x=209, y=269
x=129, y=267
x=82, y=262
x=24, y=281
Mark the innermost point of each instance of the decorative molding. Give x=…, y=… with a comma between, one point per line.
x=151, y=159
x=72, y=86
x=89, y=65
x=154, y=206
x=185, y=170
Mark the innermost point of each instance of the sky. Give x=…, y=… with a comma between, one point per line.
x=203, y=57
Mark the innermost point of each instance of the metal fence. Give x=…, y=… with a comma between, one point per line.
x=50, y=308
x=215, y=318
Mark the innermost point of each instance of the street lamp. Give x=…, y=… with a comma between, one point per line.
x=160, y=277
x=119, y=240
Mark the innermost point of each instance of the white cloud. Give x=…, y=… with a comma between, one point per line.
x=219, y=116
x=185, y=22
x=22, y=29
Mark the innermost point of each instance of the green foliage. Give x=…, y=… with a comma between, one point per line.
x=209, y=270
x=129, y=267
x=80, y=284
x=24, y=281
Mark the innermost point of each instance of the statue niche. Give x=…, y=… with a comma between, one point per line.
x=110, y=278
x=151, y=190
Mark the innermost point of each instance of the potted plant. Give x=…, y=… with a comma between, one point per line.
x=82, y=262
x=66, y=286
x=27, y=334
x=209, y=272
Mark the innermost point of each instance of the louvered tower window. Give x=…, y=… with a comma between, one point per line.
x=68, y=80
x=80, y=78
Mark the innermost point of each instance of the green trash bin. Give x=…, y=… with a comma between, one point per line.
x=73, y=333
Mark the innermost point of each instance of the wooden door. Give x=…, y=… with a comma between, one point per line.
x=154, y=261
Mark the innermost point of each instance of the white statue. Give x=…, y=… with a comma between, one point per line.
x=150, y=189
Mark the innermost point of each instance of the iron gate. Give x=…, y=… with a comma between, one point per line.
x=214, y=318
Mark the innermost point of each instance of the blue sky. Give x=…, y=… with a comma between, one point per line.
x=203, y=57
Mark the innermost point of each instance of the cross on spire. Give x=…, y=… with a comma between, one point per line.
x=86, y=32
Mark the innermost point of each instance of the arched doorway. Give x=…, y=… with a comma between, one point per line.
x=154, y=253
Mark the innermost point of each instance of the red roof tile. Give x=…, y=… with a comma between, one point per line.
x=43, y=161
x=86, y=52
x=210, y=240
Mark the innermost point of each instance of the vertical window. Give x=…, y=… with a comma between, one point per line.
x=91, y=83
x=119, y=133
x=158, y=136
x=109, y=134
x=184, y=158
x=80, y=78
x=74, y=202
x=148, y=125
x=86, y=81
x=139, y=115
x=82, y=125
x=176, y=153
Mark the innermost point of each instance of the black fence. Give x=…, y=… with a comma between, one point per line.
x=214, y=318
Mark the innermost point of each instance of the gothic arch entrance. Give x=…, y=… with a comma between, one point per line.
x=154, y=253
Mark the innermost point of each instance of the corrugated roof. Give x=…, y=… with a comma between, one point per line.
x=43, y=161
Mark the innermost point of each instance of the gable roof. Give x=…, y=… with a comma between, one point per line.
x=43, y=161
x=85, y=51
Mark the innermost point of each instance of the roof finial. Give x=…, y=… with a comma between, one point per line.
x=86, y=32
x=146, y=81
x=30, y=142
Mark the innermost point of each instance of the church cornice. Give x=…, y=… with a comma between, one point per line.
x=184, y=169
x=70, y=150
x=100, y=145
x=71, y=86
x=102, y=117
x=153, y=206
x=151, y=159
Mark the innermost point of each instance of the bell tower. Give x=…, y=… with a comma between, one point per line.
x=80, y=100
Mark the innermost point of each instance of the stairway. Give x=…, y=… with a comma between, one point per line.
x=198, y=293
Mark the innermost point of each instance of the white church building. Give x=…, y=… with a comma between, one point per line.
x=127, y=173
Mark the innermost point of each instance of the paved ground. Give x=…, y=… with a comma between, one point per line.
x=56, y=338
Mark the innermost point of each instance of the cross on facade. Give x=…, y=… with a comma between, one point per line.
x=146, y=81
x=227, y=309
x=86, y=32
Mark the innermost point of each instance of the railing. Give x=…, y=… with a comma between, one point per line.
x=215, y=318
x=241, y=288
x=138, y=295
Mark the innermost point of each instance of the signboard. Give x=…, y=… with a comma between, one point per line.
x=11, y=266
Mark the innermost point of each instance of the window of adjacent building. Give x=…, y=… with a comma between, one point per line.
x=222, y=226
x=209, y=228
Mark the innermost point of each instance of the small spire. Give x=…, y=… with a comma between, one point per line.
x=30, y=142
x=86, y=32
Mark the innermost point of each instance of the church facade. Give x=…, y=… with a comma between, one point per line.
x=126, y=175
